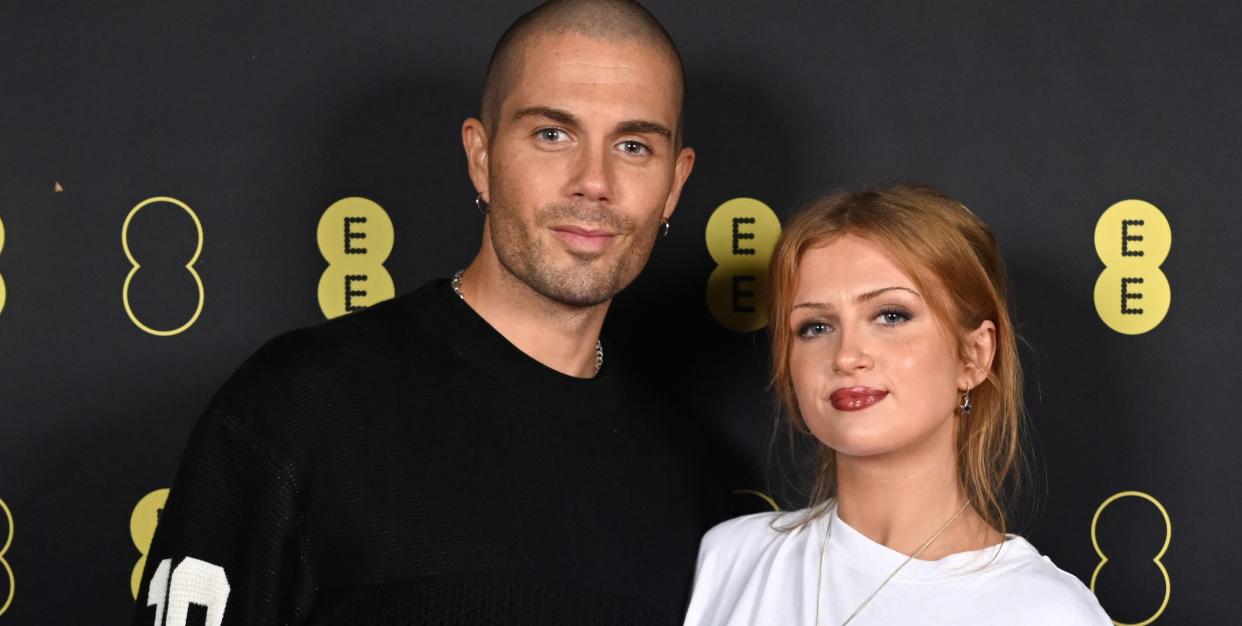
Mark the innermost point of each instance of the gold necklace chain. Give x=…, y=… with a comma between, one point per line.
x=599, y=346
x=819, y=580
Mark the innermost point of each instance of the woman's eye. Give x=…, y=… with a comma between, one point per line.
x=813, y=329
x=634, y=147
x=893, y=317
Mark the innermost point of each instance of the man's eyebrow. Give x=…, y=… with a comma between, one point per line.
x=874, y=293
x=560, y=116
x=644, y=127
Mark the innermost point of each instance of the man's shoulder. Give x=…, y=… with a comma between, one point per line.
x=368, y=335
x=392, y=324
x=310, y=371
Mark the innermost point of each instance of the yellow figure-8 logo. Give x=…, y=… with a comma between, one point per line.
x=189, y=266
x=3, y=294
x=6, y=599
x=1156, y=560
x=355, y=237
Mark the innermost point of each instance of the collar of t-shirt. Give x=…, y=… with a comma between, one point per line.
x=465, y=332
x=879, y=561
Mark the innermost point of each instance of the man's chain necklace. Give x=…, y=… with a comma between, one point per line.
x=599, y=346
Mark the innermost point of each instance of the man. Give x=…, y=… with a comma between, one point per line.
x=470, y=453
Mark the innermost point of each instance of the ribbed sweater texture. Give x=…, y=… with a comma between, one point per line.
x=408, y=465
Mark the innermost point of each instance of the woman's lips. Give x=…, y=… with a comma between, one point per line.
x=855, y=398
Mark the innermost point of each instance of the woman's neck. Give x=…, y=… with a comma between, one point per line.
x=900, y=502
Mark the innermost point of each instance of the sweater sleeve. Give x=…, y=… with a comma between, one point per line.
x=230, y=545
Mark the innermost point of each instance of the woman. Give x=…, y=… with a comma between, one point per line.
x=892, y=344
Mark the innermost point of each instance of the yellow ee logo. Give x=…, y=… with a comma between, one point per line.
x=135, y=266
x=741, y=235
x=355, y=237
x=142, y=523
x=1133, y=239
x=1156, y=560
x=6, y=599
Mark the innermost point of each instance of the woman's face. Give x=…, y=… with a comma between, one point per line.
x=874, y=371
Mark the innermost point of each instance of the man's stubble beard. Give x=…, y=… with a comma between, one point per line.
x=589, y=281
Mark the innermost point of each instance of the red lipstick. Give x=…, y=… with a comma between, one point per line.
x=855, y=398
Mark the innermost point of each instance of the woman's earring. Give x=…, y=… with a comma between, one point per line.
x=664, y=227
x=965, y=406
x=480, y=204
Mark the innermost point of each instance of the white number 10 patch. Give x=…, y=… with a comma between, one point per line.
x=193, y=582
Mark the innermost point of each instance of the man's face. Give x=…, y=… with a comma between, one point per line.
x=582, y=165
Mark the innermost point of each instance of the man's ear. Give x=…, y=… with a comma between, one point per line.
x=474, y=140
x=978, y=350
x=681, y=171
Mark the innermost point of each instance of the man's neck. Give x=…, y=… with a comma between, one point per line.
x=560, y=337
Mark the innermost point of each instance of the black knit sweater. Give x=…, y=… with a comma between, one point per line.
x=408, y=465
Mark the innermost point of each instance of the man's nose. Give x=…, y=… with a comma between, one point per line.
x=592, y=175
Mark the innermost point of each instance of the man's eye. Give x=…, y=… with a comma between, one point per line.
x=813, y=329
x=551, y=135
x=634, y=147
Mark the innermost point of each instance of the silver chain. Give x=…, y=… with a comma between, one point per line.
x=599, y=346
x=819, y=581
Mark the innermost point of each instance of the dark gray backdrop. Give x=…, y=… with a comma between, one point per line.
x=1038, y=116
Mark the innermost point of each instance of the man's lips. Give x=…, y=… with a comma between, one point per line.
x=855, y=398
x=584, y=238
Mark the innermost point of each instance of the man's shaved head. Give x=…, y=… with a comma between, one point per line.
x=608, y=20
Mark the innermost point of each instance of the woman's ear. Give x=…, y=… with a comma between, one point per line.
x=978, y=350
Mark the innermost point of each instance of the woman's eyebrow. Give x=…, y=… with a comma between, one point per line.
x=874, y=293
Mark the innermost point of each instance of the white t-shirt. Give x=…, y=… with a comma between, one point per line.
x=750, y=573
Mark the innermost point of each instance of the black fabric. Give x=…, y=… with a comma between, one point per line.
x=407, y=465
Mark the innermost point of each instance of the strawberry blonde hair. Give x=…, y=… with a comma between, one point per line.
x=952, y=257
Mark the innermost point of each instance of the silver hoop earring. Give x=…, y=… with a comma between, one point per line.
x=664, y=227
x=965, y=406
x=480, y=204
